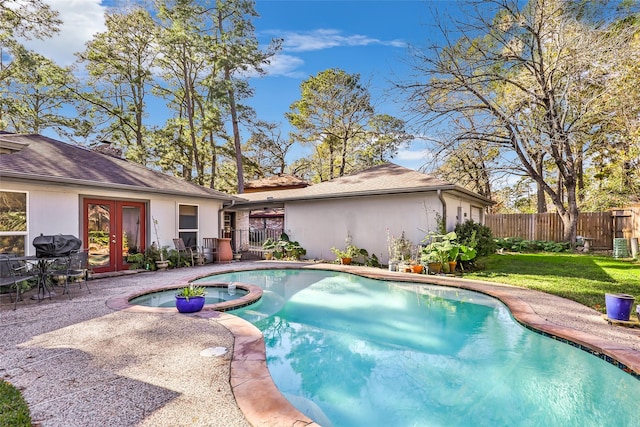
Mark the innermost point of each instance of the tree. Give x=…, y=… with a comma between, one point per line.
x=119, y=62
x=385, y=136
x=332, y=115
x=268, y=149
x=23, y=19
x=238, y=52
x=35, y=94
x=529, y=75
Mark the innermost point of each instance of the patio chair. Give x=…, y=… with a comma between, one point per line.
x=187, y=252
x=14, y=272
x=73, y=268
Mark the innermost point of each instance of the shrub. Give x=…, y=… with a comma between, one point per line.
x=518, y=244
x=485, y=244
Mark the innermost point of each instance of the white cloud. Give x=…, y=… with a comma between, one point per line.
x=281, y=65
x=414, y=155
x=327, y=38
x=81, y=20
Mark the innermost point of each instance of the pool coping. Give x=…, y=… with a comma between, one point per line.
x=262, y=404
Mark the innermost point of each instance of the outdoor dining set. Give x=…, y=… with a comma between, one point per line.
x=58, y=260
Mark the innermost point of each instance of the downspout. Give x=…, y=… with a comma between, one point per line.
x=444, y=210
x=220, y=212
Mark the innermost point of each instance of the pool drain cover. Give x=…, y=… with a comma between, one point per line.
x=213, y=351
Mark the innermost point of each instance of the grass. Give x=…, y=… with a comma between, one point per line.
x=13, y=409
x=582, y=278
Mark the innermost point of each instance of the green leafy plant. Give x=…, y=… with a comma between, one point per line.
x=192, y=291
x=482, y=240
x=400, y=248
x=517, y=244
x=284, y=247
x=350, y=250
x=269, y=245
x=443, y=248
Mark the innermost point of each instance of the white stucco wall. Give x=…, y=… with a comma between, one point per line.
x=56, y=209
x=320, y=225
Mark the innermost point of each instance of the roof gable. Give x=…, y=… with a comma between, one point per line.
x=48, y=160
x=387, y=178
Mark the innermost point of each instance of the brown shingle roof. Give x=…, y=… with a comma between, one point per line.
x=275, y=181
x=46, y=159
x=388, y=178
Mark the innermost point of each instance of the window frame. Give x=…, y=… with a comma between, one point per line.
x=183, y=232
x=24, y=233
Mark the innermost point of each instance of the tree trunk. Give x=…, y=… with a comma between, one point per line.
x=236, y=130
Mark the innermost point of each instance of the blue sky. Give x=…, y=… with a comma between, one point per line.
x=366, y=37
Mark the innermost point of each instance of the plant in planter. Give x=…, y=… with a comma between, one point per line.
x=190, y=299
x=268, y=247
x=284, y=248
x=445, y=249
x=350, y=251
x=162, y=263
x=438, y=250
x=400, y=249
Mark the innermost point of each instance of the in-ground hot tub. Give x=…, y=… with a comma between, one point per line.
x=220, y=297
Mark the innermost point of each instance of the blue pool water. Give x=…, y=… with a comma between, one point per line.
x=351, y=351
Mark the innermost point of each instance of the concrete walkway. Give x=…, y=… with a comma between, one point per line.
x=79, y=362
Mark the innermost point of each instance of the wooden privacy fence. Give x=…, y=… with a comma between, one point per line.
x=598, y=226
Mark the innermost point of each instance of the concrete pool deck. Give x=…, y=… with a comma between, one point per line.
x=81, y=362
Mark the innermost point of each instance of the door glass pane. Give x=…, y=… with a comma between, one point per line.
x=130, y=231
x=99, y=233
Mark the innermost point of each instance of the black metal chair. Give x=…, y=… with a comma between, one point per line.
x=13, y=273
x=73, y=268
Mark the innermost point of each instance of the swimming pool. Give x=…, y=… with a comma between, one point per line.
x=350, y=351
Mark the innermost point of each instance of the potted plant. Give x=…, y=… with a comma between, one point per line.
x=268, y=247
x=190, y=299
x=161, y=264
x=350, y=251
x=438, y=250
x=619, y=306
x=400, y=249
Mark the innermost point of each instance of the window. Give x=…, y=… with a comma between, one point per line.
x=188, y=225
x=13, y=222
x=476, y=214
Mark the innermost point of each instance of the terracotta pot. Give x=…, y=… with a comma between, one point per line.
x=345, y=261
x=435, y=267
x=417, y=268
x=452, y=266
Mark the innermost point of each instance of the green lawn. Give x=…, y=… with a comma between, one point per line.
x=582, y=278
x=13, y=409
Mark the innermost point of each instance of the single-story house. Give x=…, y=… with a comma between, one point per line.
x=114, y=206
x=370, y=205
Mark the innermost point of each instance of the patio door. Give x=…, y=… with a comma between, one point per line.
x=113, y=229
